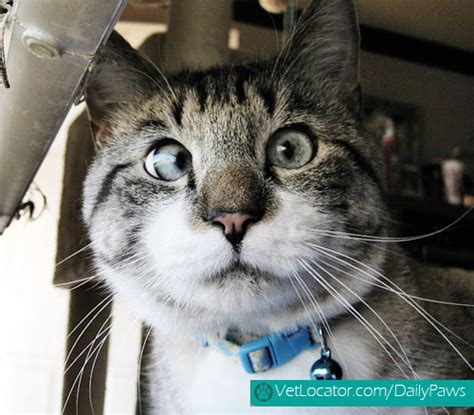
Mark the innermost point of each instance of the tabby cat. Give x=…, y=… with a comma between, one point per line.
x=240, y=201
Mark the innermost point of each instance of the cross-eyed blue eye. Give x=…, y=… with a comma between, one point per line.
x=168, y=161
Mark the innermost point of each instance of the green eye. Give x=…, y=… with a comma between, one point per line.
x=168, y=161
x=290, y=148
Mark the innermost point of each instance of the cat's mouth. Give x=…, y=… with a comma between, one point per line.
x=236, y=269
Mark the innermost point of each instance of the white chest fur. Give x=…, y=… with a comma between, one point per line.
x=221, y=385
x=211, y=383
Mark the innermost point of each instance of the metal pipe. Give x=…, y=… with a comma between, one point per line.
x=52, y=45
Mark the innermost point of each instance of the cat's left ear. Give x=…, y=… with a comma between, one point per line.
x=325, y=48
x=120, y=76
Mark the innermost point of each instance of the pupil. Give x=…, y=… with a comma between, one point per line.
x=180, y=160
x=287, y=149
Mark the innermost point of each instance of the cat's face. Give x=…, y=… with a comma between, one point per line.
x=213, y=192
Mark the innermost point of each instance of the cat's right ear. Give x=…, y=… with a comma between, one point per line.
x=120, y=76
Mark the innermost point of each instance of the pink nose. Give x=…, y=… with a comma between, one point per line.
x=235, y=225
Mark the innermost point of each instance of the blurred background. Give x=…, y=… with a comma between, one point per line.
x=417, y=77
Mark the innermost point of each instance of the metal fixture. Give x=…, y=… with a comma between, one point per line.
x=50, y=47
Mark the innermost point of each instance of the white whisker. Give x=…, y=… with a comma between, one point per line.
x=139, y=369
x=374, y=332
x=373, y=238
x=73, y=255
x=318, y=309
x=417, y=307
x=384, y=286
x=377, y=315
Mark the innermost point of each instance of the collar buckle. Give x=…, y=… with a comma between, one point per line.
x=274, y=349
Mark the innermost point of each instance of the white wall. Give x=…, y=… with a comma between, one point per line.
x=33, y=313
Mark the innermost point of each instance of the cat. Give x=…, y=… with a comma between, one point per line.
x=247, y=200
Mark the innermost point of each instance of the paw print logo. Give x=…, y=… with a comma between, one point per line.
x=263, y=392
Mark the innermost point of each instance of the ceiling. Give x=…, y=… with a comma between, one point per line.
x=450, y=22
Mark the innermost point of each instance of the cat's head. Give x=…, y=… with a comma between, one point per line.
x=216, y=196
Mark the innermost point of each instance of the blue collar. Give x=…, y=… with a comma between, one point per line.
x=270, y=351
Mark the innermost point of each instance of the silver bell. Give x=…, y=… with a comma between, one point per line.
x=326, y=368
